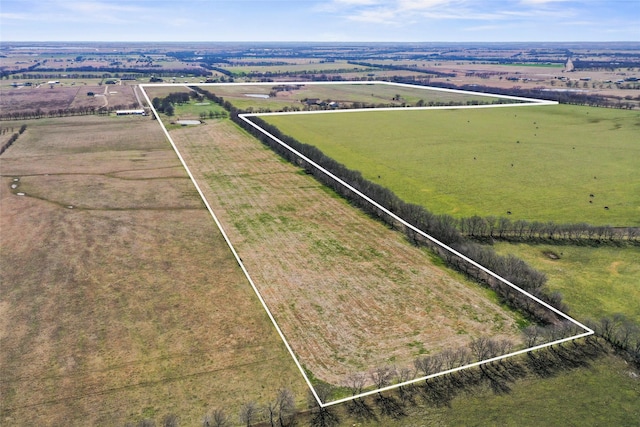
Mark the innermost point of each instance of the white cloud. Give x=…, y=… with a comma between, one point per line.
x=15, y=16
x=537, y=2
x=357, y=2
x=409, y=11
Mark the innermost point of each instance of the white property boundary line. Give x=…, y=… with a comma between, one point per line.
x=531, y=102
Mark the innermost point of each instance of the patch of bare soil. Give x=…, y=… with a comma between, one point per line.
x=348, y=293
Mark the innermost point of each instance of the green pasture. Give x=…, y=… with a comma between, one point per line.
x=594, y=281
x=192, y=110
x=559, y=163
x=602, y=393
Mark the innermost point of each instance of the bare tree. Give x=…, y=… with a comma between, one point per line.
x=480, y=348
x=428, y=365
x=170, y=420
x=249, y=412
x=382, y=375
x=286, y=406
x=322, y=417
x=406, y=374
x=532, y=335
x=217, y=418
x=355, y=382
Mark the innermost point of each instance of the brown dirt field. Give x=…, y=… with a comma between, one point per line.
x=130, y=305
x=348, y=293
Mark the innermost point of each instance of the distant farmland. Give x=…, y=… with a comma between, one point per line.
x=544, y=163
x=243, y=96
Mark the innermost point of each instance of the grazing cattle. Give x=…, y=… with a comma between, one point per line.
x=591, y=195
x=508, y=212
x=606, y=207
x=590, y=201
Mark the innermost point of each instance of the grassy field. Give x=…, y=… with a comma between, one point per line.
x=348, y=293
x=129, y=306
x=595, y=282
x=601, y=394
x=119, y=299
x=539, y=163
x=193, y=109
x=371, y=94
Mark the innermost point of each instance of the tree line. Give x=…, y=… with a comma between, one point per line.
x=124, y=70
x=166, y=105
x=622, y=334
x=502, y=228
x=596, y=65
x=441, y=227
x=12, y=139
x=402, y=68
x=439, y=391
x=48, y=76
x=39, y=113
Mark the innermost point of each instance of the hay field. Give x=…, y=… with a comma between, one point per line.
x=348, y=293
x=538, y=162
x=128, y=305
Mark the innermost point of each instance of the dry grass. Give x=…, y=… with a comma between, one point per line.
x=348, y=293
x=48, y=98
x=130, y=305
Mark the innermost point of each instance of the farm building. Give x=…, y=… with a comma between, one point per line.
x=131, y=113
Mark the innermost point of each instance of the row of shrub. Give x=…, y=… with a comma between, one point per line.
x=383, y=408
x=622, y=333
x=12, y=139
x=503, y=228
x=63, y=112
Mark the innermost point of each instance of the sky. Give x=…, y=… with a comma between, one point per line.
x=323, y=21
